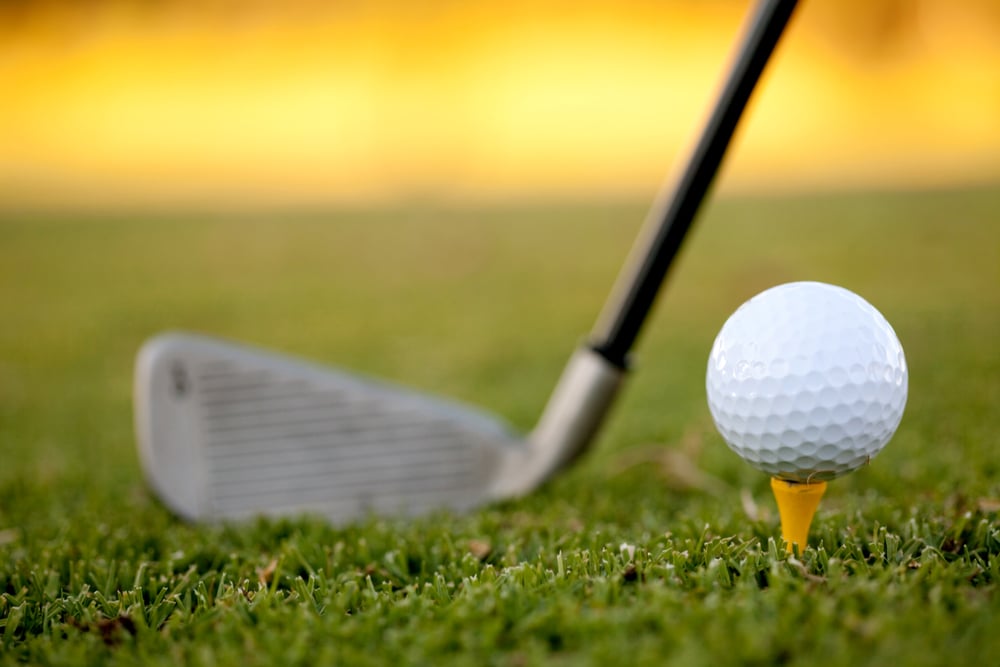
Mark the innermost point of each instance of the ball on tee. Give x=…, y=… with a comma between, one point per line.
x=807, y=381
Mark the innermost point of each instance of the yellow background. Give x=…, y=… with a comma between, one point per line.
x=183, y=102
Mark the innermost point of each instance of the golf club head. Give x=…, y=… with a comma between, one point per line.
x=229, y=432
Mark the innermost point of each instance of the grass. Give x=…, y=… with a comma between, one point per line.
x=659, y=547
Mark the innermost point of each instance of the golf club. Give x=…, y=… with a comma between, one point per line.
x=226, y=431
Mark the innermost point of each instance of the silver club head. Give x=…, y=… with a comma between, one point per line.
x=227, y=431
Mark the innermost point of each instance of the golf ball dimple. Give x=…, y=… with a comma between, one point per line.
x=806, y=381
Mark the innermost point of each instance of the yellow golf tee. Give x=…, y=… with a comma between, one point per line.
x=797, y=504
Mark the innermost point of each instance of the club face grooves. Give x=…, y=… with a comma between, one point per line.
x=266, y=434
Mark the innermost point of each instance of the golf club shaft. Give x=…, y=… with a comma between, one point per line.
x=591, y=379
x=671, y=217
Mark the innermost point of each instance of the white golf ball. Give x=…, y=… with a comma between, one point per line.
x=806, y=381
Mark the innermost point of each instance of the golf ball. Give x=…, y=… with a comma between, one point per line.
x=806, y=381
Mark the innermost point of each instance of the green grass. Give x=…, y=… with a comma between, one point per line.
x=485, y=305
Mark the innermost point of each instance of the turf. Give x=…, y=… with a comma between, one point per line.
x=660, y=547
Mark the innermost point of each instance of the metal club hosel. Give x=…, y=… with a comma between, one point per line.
x=570, y=421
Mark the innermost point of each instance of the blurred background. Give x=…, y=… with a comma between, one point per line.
x=180, y=103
